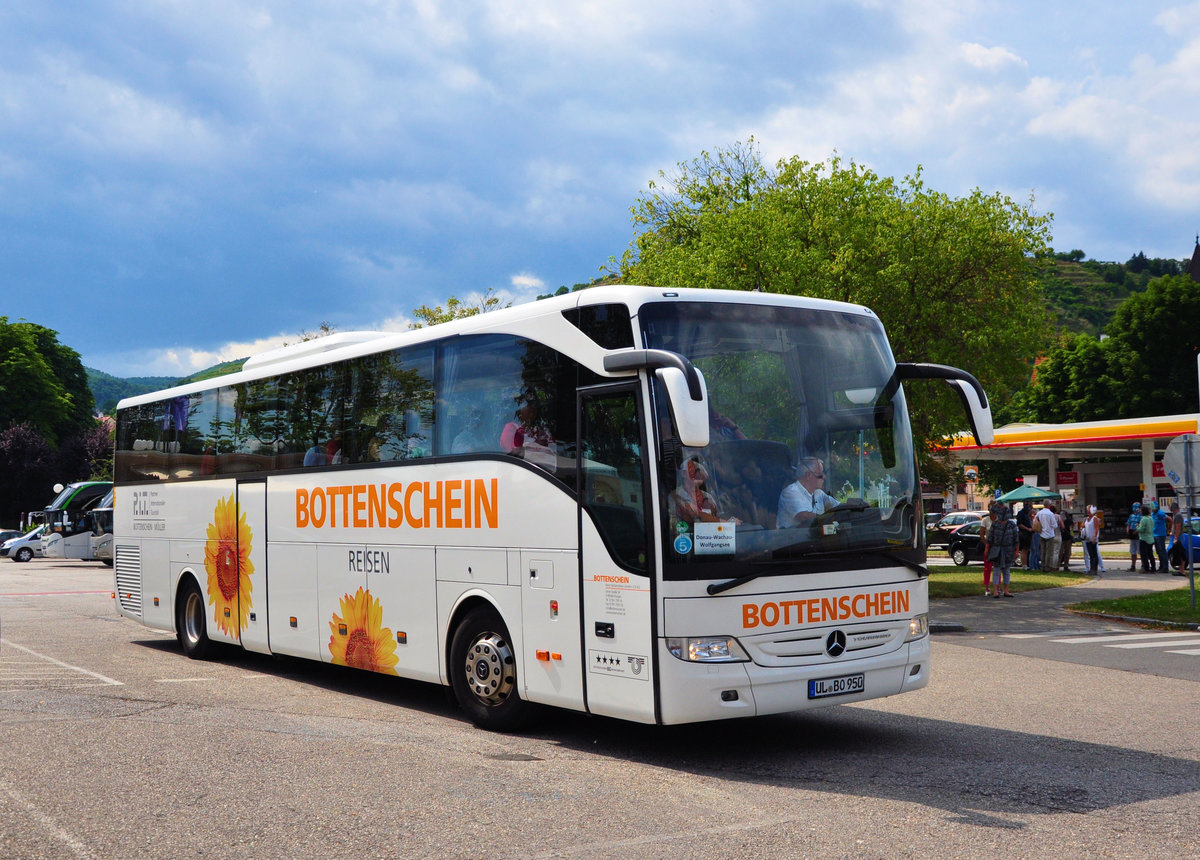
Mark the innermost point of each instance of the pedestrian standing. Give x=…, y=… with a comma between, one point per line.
x=1131, y=528
x=1003, y=550
x=1025, y=532
x=1046, y=522
x=1161, y=521
x=1091, y=542
x=1176, y=554
x=1067, y=521
x=985, y=525
x=1146, y=539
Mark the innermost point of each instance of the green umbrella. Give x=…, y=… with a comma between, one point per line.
x=1029, y=494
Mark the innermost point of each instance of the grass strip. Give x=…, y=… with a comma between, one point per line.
x=1174, y=607
x=968, y=581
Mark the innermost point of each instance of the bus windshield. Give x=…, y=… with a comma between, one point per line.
x=810, y=463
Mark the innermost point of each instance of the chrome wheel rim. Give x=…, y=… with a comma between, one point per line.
x=489, y=669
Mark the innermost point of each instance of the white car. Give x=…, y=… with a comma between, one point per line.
x=24, y=547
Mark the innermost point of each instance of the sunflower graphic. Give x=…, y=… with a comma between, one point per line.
x=358, y=638
x=227, y=560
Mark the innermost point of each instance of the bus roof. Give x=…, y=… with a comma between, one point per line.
x=344, y=345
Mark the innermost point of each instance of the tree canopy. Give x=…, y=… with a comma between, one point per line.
x=1145, y=365
x=952, y=278
x=42, y=383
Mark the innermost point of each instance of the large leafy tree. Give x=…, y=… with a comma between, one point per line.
x=1146, y=364
x=42, y=383
x=47, y=431
x=952, y=278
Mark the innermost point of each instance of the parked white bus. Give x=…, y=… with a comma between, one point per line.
x=71, y=530
x=571, y=502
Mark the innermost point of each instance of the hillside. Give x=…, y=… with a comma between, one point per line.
x=108, y=389
x=1084, y=294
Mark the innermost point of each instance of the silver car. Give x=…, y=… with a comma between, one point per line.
x=24, y=547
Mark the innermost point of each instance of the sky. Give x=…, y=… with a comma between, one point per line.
x=186, y=183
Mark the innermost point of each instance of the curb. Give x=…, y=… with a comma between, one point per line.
x=1154, y=622
x=946, y=627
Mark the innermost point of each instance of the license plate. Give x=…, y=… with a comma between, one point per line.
x=822, y=687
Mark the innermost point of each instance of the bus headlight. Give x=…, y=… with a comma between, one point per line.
x=918, y=626
x=708, y=649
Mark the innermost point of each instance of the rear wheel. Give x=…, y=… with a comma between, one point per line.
x=483, y=672
x=23, y=554
x=959, y=555
x=190, y=622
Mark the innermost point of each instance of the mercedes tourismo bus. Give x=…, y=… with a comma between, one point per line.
x=506, y=504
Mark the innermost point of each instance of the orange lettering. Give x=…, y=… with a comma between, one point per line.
x=487, y=507
x=828, y=609
x=318, y=519
x=902, y=601
x=409, y=507
x=434, y=502
x=376, y=497
x=749, y=615
x=360, y=506
x=395, y=504
x=770, y=614
x=453, y=504
x=301, y=509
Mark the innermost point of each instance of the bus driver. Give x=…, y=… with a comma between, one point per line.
x=803, y=499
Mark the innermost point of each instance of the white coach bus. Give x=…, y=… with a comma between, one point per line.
x=571, y=502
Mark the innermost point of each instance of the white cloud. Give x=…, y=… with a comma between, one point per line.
x=989, y=58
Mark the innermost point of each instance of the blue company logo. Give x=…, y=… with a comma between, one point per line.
x=683, y=544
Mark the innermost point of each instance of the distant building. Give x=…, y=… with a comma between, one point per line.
x=1194, y=268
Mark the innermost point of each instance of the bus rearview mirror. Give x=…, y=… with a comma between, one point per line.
x=690, y=415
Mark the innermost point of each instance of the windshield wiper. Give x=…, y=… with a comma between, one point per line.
x=720, y=587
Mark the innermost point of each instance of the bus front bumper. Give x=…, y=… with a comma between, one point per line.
x=694, y=692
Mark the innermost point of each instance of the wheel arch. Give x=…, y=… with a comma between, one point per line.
x=467, y=602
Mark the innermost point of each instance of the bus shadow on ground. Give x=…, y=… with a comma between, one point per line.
x=421, y=696
x=991, y=774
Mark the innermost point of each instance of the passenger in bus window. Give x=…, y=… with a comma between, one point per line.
x=803, y=499
x=691, y=502
x=529, y=437
x=472, y=437
x=315, y=456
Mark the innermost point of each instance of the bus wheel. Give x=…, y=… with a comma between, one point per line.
x=483, y=672
x=23, y=554
x=190, y=623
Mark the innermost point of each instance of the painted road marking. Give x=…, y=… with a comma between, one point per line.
x=18, y=674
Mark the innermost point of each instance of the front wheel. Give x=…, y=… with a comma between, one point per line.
x=190, y=623
x=23, y=554
x=483, y=672
x=959, y=555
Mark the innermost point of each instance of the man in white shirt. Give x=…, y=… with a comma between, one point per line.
x=1047, y=522
x=803, y=499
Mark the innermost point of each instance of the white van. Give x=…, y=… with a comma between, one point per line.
x=24, y=547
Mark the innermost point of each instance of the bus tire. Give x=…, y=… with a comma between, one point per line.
x=191, y=622
x=23, y=554
x=483, y=672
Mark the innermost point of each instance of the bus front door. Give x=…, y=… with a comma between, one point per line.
x=615, y=562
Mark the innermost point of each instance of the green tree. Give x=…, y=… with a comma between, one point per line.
x=1145, y=366
x=952, y=279
x=1152, y=343
x=42, y=383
